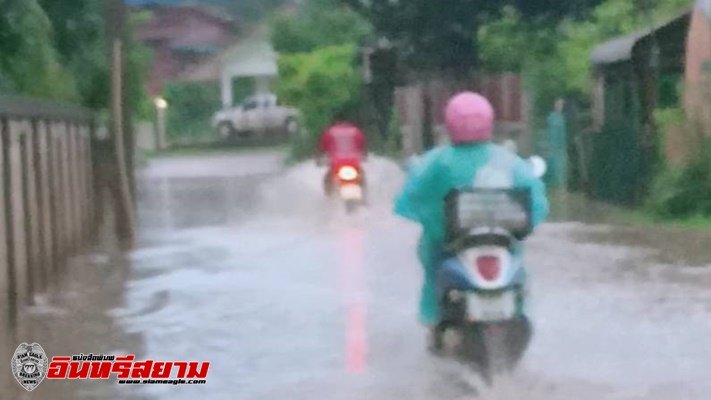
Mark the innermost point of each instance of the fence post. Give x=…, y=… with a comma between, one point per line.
x=89, y=181
x=81, y=186
x=17, y=243
x=42, y=166
x=66, y=188
x=36, y=278
x=57, y=197
x=75, y=182
x=4, y=259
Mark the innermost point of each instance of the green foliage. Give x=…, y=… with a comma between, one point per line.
x=436, y=37
x=241, y=89
x=503, y=43
x=665, y=119
x=686, y=192
x=139, y=60
x=682, y=193
x=191, y=106
x=555, y=58
x=57, y=50
x=29, y=64
x=610, y=19
x=511, y=44
x=668, y=117
x=78, y=36
x=320, y=84
x=317, y=26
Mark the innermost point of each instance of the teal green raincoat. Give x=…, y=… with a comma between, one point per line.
x=443, y=169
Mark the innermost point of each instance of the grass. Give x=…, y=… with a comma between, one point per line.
x=644, y=218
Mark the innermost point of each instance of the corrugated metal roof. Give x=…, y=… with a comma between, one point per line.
x=618, y=49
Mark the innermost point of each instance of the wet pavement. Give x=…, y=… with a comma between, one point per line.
x=244, y=264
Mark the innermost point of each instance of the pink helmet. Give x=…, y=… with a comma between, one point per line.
x=469, y=117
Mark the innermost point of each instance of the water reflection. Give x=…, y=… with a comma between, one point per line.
x=171, y=203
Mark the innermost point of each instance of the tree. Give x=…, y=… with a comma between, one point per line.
x=611, y=18
x=78, y=34
x=29, y=64
x=430, y=37
x=437, y=37
x=320, y=84
x=553, y=12
x=504, y=42
x=320, y=23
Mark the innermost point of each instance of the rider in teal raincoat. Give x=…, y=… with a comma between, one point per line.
x=471, y=160
x=558, y=147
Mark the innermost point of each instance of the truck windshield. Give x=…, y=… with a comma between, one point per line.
x=249, y=105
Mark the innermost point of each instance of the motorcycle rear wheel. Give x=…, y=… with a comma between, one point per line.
x=496, y=351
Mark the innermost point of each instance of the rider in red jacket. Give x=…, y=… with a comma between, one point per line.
x=342, y=143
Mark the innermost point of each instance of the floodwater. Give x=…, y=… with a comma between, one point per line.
x=244, y=264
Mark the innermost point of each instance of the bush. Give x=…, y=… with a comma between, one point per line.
x=191, y=106
x=685, y=192
x=320, y=84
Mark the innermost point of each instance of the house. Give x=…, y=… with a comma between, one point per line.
x=253, y=58
x=635, y=76
x=697, y=82
x=182, y=37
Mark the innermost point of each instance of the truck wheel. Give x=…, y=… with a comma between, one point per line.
x=291, y=126
x=225, y=130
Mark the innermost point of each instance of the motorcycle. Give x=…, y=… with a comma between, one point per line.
x=349, y=181
x=481, y=286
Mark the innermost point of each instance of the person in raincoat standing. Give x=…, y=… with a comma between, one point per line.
x=558, y=147
x=470, y=160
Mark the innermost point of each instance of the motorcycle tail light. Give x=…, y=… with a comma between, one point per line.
x=347, y=173
x=489, y=267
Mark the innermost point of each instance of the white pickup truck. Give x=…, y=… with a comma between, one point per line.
x=260, y=113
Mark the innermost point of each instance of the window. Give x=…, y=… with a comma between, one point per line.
x=250, y=104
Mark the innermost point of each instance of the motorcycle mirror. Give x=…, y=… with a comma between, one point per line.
x=411, y=162
x=538, y=166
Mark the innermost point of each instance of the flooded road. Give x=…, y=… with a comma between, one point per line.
x=245, y=265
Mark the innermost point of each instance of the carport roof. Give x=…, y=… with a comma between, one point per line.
x=620, y=48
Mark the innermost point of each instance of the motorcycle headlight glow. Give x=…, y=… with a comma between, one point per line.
x=347, y=173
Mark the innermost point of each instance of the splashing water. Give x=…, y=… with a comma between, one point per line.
x=296, y=200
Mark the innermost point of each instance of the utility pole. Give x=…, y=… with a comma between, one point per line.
x=120, y=183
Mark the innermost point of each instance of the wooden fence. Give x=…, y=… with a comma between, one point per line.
x=46, y=194
x=504, y=91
